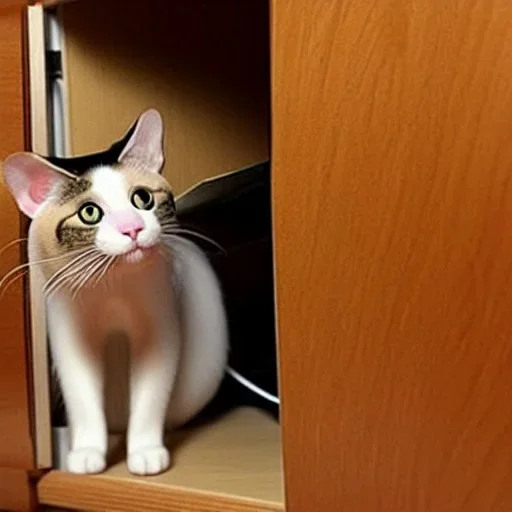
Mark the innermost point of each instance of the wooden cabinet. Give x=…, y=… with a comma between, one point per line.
x=16, y=454
x=391, y=204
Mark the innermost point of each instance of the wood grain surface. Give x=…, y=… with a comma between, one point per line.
x=392, y=126
x=16, y=490
x=15, y=440
x=204, y=65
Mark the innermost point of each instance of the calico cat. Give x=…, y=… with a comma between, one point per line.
x=107, y=245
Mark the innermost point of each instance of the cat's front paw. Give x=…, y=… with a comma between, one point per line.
x=86, y=460
x=149, y=461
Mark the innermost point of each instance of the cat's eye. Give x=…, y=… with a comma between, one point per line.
x=142, y=199
x=90, y=213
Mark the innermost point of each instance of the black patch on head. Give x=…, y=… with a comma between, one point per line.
x=75, y=238
x=81, y=164
x=72, y=189
x=166, y=209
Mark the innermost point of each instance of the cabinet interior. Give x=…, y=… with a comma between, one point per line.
x=205, y=67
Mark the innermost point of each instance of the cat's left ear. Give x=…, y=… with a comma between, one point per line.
x=31, y=179
x=145, y=147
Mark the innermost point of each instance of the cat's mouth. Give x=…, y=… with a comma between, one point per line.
x=135, y=255
x=138, y=253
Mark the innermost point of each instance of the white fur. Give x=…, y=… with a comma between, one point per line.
x=82, y=387
x=187, y=352
x=111, y=190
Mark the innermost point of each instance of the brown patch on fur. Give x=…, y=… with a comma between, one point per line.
x=50, y=227
x=72, y=237
x=73, y=189
x=166, y=209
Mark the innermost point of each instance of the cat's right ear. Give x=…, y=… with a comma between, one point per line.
x=31, y=179
x=145, y=146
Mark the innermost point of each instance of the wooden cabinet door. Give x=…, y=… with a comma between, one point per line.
x=392, y=166
x=16, y=452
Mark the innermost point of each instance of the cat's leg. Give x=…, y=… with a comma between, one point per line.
x=152, y=376
x=81, y=377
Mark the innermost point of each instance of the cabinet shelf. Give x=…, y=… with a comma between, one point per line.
x=233, y=463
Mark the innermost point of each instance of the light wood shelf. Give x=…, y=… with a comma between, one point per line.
x=232, y=464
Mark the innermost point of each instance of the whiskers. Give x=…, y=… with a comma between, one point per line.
x=88, y=268
x=92, y=274
x=172, y=229
x=20, y=270
x=12, y=243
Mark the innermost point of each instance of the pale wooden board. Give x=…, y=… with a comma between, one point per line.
x=232, y=464
x=204, y=65
x=37, y=80
x=39, y=143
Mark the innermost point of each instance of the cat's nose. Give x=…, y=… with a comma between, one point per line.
x=132, y=232
x=127, y=223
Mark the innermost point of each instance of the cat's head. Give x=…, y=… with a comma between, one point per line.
x=119, y=208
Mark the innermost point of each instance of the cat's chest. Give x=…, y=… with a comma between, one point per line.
x=132, y=299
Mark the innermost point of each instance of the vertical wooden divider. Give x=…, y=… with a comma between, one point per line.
x=392, y=165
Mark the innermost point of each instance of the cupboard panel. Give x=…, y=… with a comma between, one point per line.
x=15, y=441
x=392, y=210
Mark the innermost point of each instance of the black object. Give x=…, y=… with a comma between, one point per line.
x=235, y=211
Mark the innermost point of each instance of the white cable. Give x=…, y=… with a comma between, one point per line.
x=249, y=385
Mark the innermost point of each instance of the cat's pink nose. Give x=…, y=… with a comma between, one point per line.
x=127, y=223
x=132, y=232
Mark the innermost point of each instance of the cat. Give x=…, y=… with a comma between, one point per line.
x=113, y=264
